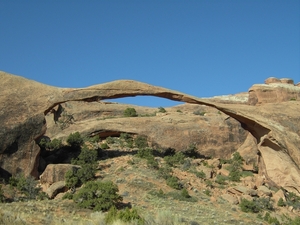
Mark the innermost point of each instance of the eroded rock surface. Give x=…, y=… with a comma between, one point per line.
x=274, y=126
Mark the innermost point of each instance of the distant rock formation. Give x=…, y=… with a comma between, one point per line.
x=273, y=91
x=274, y=127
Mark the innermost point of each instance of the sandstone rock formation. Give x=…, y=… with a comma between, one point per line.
x=275, y=127
x=274, y=90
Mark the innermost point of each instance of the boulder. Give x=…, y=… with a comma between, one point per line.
x=272, y=80
x=263, y=191
x=56, y=172
x=56, y=188
x=230, y=198
x=241, y=190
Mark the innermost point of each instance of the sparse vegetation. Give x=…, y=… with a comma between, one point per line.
x=200, y=113
x=75, y=140
x=161, y=110
x=99, y=196
x=26, y=185
x=130, y=112
x=126, y=215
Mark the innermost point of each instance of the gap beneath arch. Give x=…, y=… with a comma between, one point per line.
x=149, y=101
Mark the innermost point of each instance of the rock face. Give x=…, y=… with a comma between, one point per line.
x=25, y=104
x=274, y=90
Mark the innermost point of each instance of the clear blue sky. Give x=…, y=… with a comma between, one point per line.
x=201, y=47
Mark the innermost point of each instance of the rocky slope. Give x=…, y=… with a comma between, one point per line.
x=273, y=128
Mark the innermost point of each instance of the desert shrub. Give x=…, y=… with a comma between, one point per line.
x=68, y=195
x=174, y=182
x=145, y=153
x=130, y=112
x=271, y=220
x=86, y=156
x=2, y=197
x=249, y=206
x=110, y=140
x=104, y=146
x=256, y=205
x=293, y=200
x=182, y=195
x=141, y=142
x=235, y=175
x=178, y=110
x=281, y=203
x=52, y=145
x=71, y=179
x=152, y=163
x=200, y=174
x=94, y=139
x=26, y=185
x=87, y=160
x=191, y=151
x=126, y=215
x=75, y=140
x=164, y=172
x=177, y=158
x=55, y=144
x=220, y=179
x=200, y=113
x=99, y=196
x=161, y=110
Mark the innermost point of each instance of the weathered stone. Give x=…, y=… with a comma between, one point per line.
x=264, y=191
x=56, y=172
x=55, y=188
x=272, y=80
x=241, y=190
x=230, y=198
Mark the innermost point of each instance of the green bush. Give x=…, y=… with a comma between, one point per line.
x=27, y=185
x=161, y=110
x=177, y=158
x=256, y=205
x=126, y=215
x=220, y=179
x=141, y=142
x=75, y=140
x=281, y=203
x=200, y=174
x=68, y=195
x=104, y=146
x=110, y=140
x=270, y=219
x=87, y=160
x=249, y=206
x=52, y=145
x=99, y=196
x=174, y=182
x=130, y=112
x=164, y=172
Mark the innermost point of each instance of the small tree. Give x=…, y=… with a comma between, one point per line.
x=75, y=140
x=99, y=196
x=130, y=112
x=161, y=110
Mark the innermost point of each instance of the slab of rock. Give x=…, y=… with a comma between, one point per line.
x=56, y=172
x=263, y=191
x=241, y=190
x=56, y=188
x=230, y=198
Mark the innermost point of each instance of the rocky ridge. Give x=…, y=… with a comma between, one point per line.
x=273, y=127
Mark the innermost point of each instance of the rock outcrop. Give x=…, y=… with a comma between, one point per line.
x=275, y=127
x=273, y=91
